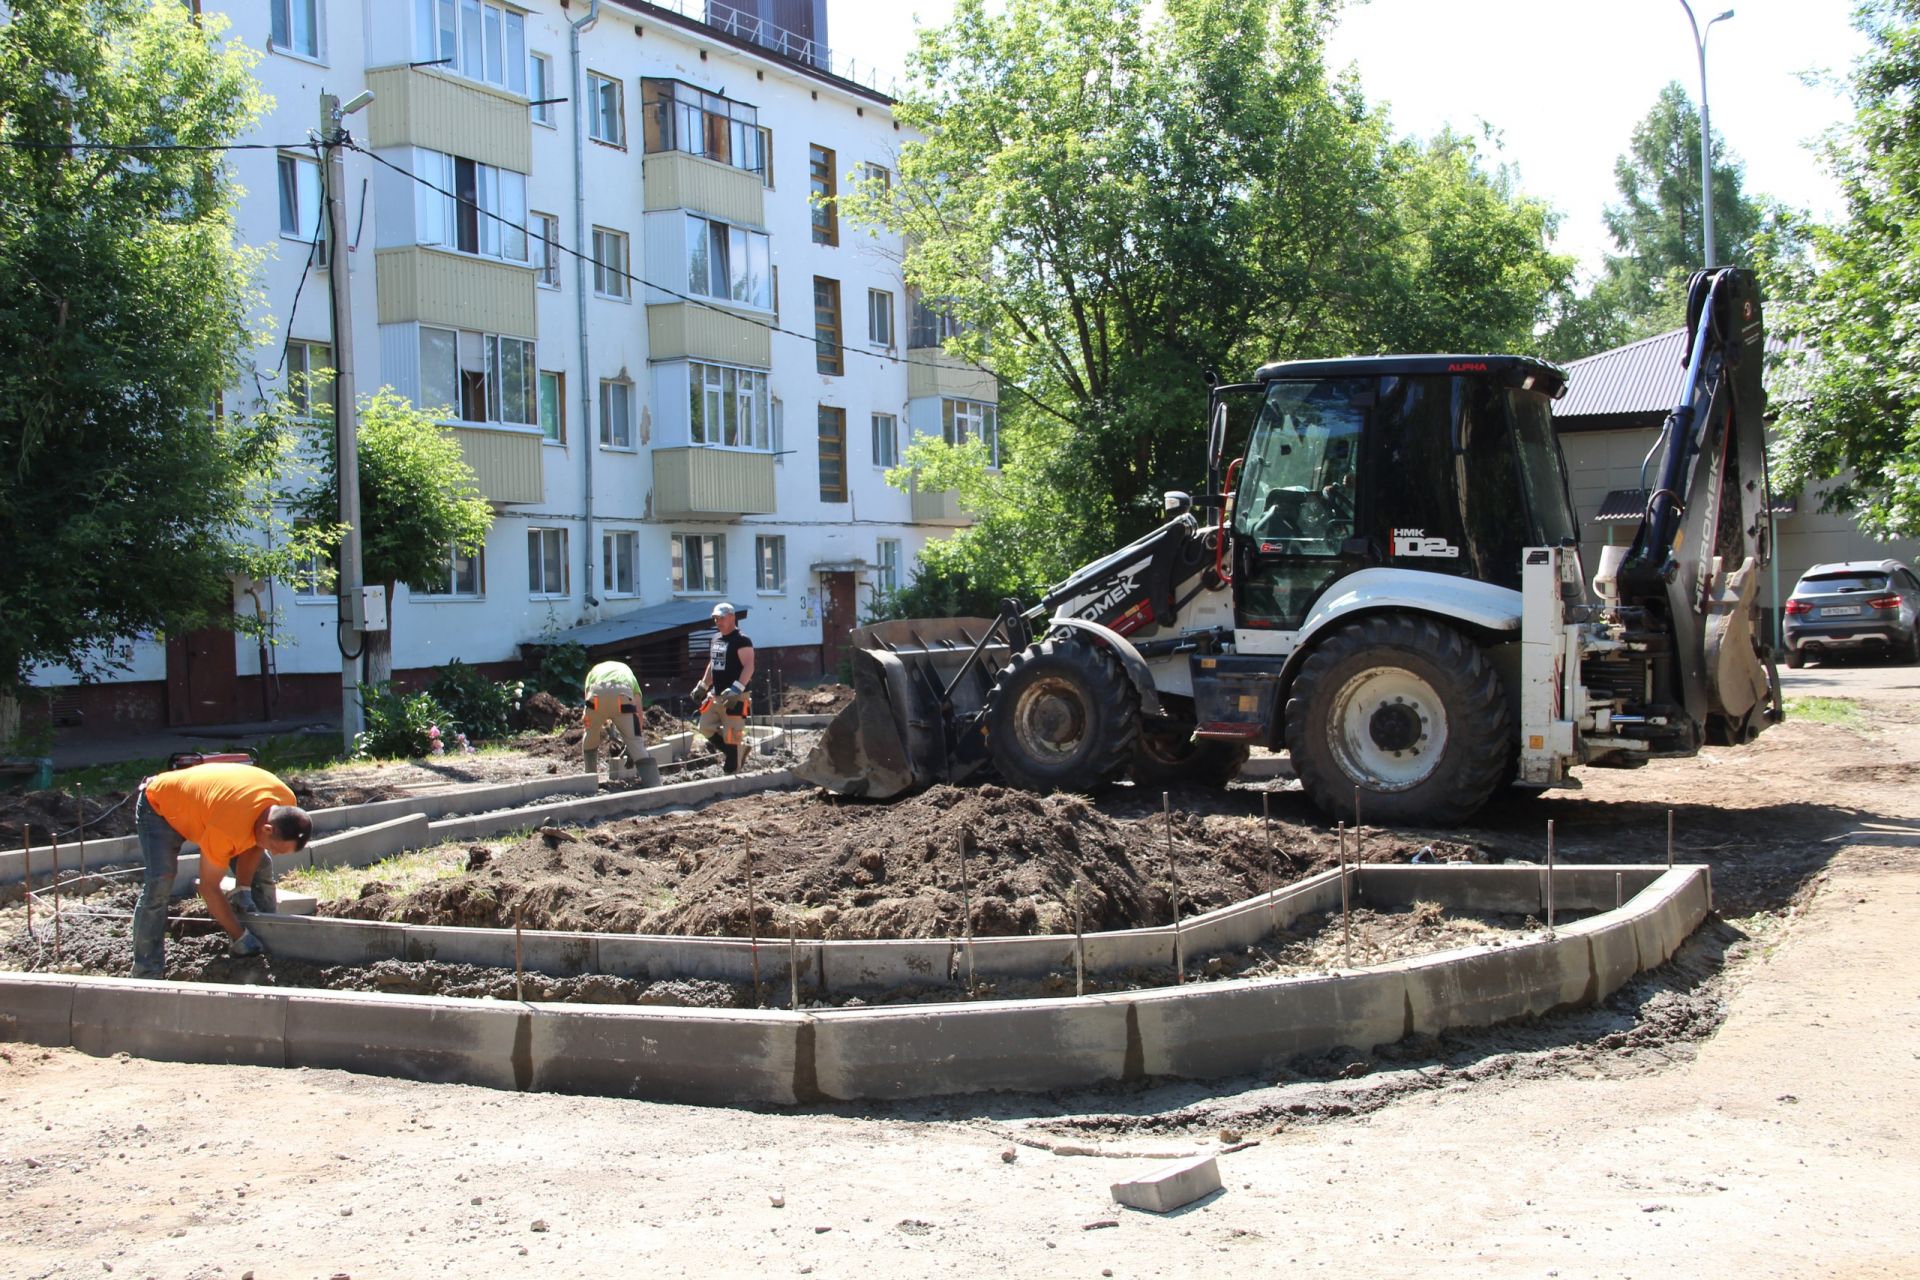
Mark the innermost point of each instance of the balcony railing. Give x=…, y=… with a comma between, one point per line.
x=697, y=482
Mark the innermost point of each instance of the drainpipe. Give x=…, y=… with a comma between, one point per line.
x=584, y=430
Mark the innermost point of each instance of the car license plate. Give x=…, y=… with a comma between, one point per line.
x=1840, y=611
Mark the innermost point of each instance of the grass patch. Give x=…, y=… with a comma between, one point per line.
x=1844, y=712
x=282, y=754
x=405, y=871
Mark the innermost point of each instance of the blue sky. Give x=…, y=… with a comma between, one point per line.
x=1562, y=82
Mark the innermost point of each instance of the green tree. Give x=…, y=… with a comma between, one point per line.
x=419, y=501
x=1656, y=229
x=126, y=498
x=1849, y=400
x=1115, y=197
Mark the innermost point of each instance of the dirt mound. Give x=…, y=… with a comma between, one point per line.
x=544, y=712
x=110, y=814
x=820, y=700
x=836, y=870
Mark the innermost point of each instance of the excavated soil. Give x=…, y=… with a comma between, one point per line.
x=832, y=869
x=820, y=700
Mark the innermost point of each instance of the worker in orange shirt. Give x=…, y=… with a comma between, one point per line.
x=240, y=817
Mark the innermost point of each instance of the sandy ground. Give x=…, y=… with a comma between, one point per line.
x=1781, y=1144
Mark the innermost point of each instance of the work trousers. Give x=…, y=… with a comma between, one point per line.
x=160, y=856
x=615, y=707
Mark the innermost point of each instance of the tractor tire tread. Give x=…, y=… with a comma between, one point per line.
x=1113, y=701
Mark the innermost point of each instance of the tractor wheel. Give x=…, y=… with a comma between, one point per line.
x=1407, y=710
x=1171, y=757
x=1062, y=717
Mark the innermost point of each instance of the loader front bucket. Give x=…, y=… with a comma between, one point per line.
x=904, y=729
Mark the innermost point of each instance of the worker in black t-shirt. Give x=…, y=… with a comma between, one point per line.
x=723, y=716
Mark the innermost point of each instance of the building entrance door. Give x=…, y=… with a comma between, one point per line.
x=837, y=617
x=201, y=679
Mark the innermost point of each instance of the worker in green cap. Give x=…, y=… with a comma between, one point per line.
x=613, y=699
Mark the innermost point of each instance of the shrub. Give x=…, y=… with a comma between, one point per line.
x=481, y=708
x=563, y=670
x=409, y=725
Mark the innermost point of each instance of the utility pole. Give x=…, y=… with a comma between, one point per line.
x=352, y=613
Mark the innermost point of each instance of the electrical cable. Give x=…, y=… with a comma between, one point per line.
x=20, y=145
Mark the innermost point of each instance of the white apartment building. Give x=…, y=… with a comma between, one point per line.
x=701, y=409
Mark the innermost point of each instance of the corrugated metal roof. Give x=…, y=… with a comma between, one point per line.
x=1641, y=377
x=1631, y=504
x=652, y=620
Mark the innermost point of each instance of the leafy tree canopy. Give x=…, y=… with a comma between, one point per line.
x=1112, y=198
x=125, y=498
x=1849, y=400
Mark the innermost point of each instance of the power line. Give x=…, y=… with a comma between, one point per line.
x=19, y=145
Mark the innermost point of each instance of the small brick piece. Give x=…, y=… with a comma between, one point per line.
x=1167, y=1187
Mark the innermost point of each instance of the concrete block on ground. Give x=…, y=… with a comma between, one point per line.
x=364, y=846
x=36, y=1008
x=1502, y=890
x=562, y=955
x=1222, y=1029
x=703, y=1056
x=181, y=1022
x=318, y=940
x=1482, y=986
x=1245, y=923
x=1674, y=906
x=1260, y=768
x=1169, y=1186
x=614, y=804
x=645, y=956
x=434, y=1039
x=929, y=1050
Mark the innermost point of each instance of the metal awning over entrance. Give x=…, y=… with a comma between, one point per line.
x=653, y=640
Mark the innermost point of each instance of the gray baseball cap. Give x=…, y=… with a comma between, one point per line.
x=723, y=610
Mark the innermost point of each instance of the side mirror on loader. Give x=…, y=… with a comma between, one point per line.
x=1176, y=502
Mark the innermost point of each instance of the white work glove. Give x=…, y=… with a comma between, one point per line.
x=734, y=690
x=247, y=944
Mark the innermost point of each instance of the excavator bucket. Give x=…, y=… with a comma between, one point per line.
x=919, y=687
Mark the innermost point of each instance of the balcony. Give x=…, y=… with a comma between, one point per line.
x=935, y=373
x=677, y=180
x=454, y=290
x=688, y=331
x=423, y=108
x=505, y=461
x=941, y=508
x=702, y=483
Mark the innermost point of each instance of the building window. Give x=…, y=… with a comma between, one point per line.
x=886, y=577
x=540, y=88
x=833, y=454
x=606, y=112
x=547, y=562
x=296, y=27
x=826, y=218
x=964, y=420
x=618, y=550
x=728, y=406
x=462, y=576
x=928, y=325
x=553, y=407
x=827, y=356
x=610, y=263
x=545, y=247
x=300, y=202
x=770, y=562
x=886, y=440
x=479, y=39
x=730, y=263
x=305, y=363
x=699, y=562
x=477, y=208
x=313, y=577
x=484, y=377
x=616, y=413
x=878, y=175
x=678, y=117
x=880, y=318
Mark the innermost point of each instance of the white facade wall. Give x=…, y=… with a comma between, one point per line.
x=363, y=36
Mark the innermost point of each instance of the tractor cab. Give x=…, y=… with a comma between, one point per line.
x=1431, y=463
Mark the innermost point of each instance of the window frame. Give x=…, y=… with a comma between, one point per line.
x=308, y=231
x=543, y=590
x=956, y=431
x=597, y=83
x=605, y=273
x=679, y=559
x=704, y=236
x=453, y=594
x=275, y=45
x=492, y=371
x=880, y=307
x=823, y=192
x=545, y=260
x=559, y=376
x=828, y=330
x=837, y=415
x=303, y=397
x=887, y=571
x=539, y=110
x=611, y=542
x=607, y=441
x=777, y=544
x=890, y=435
x=707, y=379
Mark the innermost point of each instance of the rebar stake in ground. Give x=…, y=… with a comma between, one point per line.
x=1173, y=884
x=966, y=910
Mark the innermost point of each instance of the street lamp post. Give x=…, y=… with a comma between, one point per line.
x=1706, y=128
